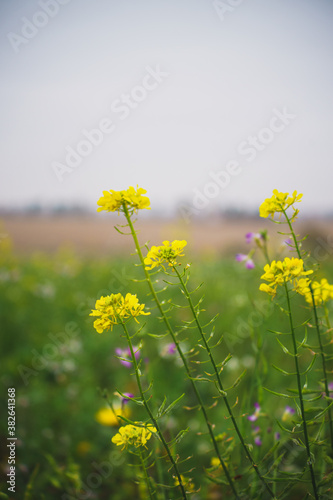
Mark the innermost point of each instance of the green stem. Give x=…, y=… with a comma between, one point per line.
x=218, y=379
x=321, y=348
x=146, y=477
x=180, y=352
x=152, y=418
x=300, y=394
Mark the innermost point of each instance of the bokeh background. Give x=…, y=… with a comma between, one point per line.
x=209, y=105
x=226, y=67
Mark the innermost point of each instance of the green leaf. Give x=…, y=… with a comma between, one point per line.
x=284, y=348
x=237, y=381
x=180, y=435
x=161, y=408
x=278, y=333
x=171, y=405
x=29, y=488
x=283, y=371
x=279, y=394
x=323, y=412
x=225, y=361
x=310, y=365
x=156, y=336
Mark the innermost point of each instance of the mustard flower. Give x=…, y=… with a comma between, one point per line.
x=108, y=417
x=132, y=435
x=322, y=291
x=187, y=482
x=114, y=308
x=165, y=253
x=114, y=201
x=278, y=203
x=279, y=272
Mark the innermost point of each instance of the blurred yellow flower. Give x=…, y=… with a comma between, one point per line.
x=83, y=447
x=108, y=417
x=132, y=435
x=165, y=253
x=215, y=462
x=279, y=202
x=187, y=482
x=114, y=201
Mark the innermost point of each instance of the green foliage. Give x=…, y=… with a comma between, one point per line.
x=64, y=372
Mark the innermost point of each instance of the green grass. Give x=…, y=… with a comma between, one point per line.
x=60, y=383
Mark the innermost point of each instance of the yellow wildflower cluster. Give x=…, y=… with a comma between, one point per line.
x=322, y=291
x=165, y=253
x=131, y=435
x=279, y=202
x=113, y=307
x=114, y=201
x=279, y=272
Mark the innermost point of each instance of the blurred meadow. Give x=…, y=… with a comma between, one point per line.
x=65, y=373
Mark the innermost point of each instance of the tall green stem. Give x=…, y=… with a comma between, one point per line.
x=152, y=418
x=300, y=394
x=180, y=352
x=321, y=348
x=146, y=477
x=219, y=381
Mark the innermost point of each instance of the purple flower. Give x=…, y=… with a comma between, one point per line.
x=257, y=441
x=330, y=391
x=168, y=350
x=256, y=413
x=171, y=348
x=288, y=411
x=277, y=436
x=126, y=355
x=249, y=264
x=126, y=400
x=249, y=237
x=253, y=236
x=288, y=242
x=241, y=257
x=330, y=388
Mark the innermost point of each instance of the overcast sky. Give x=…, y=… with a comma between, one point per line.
x=205, y=104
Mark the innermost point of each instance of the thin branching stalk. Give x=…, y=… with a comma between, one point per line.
x=180, y=352
x=219, y=381
x=152, y=418
x=300, y=394
x=321, y=348
x=146, y=477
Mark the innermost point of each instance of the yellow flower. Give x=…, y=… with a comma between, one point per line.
x=108, y=417
x=268, y=289
x=113, y=307
x=322, y=292
x=83, y=447
x=215, y=462
x=187, y=482
x=279, y=202
x=114, y=201
x=279, y=272
x=132, y=435
x=165, y=253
